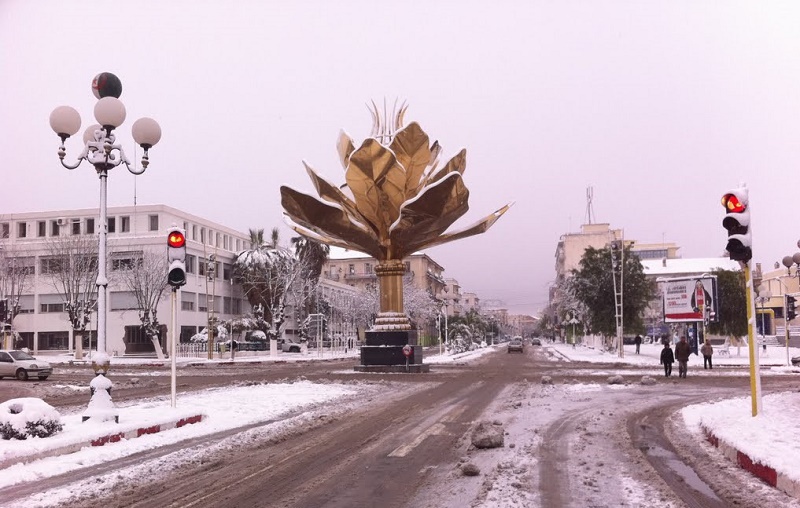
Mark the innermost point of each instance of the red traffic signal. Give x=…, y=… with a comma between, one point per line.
x=176, y=239
x=733, y=204
x=176, y=255
x=737, y=223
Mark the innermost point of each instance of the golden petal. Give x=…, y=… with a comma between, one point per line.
x=321, y=237
x=428, y=215
x=373, y=176
x=457, y=163
x=411, y=148
x=315, y=214
x=475, y=229
x=330, y=192
x=345, y=147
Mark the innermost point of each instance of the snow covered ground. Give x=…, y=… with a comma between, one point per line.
x=768, y=438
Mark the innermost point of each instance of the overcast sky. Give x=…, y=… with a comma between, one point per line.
x=659, y=106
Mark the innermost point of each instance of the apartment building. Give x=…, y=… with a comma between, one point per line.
x=42, y=323
x=358, y=270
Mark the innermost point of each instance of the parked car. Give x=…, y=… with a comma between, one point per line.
x=290, y=347
x=21, y=365
x=515, y=345
x=536, y=342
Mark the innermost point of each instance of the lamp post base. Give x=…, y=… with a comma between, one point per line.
x=383, y=352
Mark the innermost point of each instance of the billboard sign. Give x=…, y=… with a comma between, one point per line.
x=690, y=299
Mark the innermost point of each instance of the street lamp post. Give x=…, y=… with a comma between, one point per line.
x=762, y=297
x=102, y=151
x=788, y=261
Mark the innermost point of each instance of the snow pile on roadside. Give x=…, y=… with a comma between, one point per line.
x=769, y=438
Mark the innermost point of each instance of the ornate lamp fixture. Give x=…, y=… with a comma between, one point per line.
x=396, y=201
x=102, y=151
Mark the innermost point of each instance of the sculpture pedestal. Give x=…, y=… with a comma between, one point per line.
x=383, y=352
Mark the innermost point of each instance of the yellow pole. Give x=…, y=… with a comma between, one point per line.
x=755, y=377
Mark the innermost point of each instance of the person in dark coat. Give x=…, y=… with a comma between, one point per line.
x=667, y=359
x=638, y=341
x=707, y=350
x=682, y=352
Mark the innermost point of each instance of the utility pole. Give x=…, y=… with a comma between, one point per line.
x=617, y=247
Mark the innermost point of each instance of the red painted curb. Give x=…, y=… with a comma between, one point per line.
x=761, y=471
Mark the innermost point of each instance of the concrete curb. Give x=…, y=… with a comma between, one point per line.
x=102, y=440
x=761, y=471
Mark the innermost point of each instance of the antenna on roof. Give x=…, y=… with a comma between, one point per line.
x=589, y=208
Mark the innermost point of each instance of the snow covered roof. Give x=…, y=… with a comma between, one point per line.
x=679, y=266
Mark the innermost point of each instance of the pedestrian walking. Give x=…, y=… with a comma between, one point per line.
x=707, y=350
x=682, y=352
x=667, y=359
x=638, y=341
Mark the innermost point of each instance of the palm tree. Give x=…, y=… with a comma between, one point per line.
x=312, y=254
x=256, y=269
x=256, y=238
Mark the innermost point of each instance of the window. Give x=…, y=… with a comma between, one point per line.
x=187, y=300
x=408, y=266
x=187, y=332
x=367, y=267
x=238, y=245
x=125, y=224
x=123, y=300
x=153, y=222
x=51, y=307
x=194, y=232
x=112, y=224
x=90, y=226
x=25, y=304
x=126, y=260
x=52, y=265
x=237, y=306
x=202, y=235
x=55, y=227
x=226, y=271
x=351, y=269
x=41, y=229
x=226, y=305
x=76, y=226
x=201, y=268
x=202, y=302
x=22, y=229
x=191, y=259
x=26, y=265
x=5, y=229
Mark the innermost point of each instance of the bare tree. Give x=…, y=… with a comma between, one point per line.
x=71, y=267
x=15, y=267
x=146, y=277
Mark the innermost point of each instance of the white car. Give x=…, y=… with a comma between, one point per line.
x=21, y=365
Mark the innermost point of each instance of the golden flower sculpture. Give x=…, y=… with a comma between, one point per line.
x=396, y=201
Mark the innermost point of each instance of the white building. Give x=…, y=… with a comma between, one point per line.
x=42, y=322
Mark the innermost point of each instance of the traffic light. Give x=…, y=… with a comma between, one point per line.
x=176, y=255
x=737, y=222
x=791, y=313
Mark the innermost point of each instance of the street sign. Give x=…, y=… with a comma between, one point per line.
x=408, y=350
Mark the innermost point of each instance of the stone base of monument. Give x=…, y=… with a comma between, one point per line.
x=382, y=351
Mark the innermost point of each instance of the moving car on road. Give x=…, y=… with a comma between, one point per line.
x=21, y=365
x=515, y=345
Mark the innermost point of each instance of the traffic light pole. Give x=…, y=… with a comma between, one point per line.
x=173, y=349
x=755, y=374
x=786, y=328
